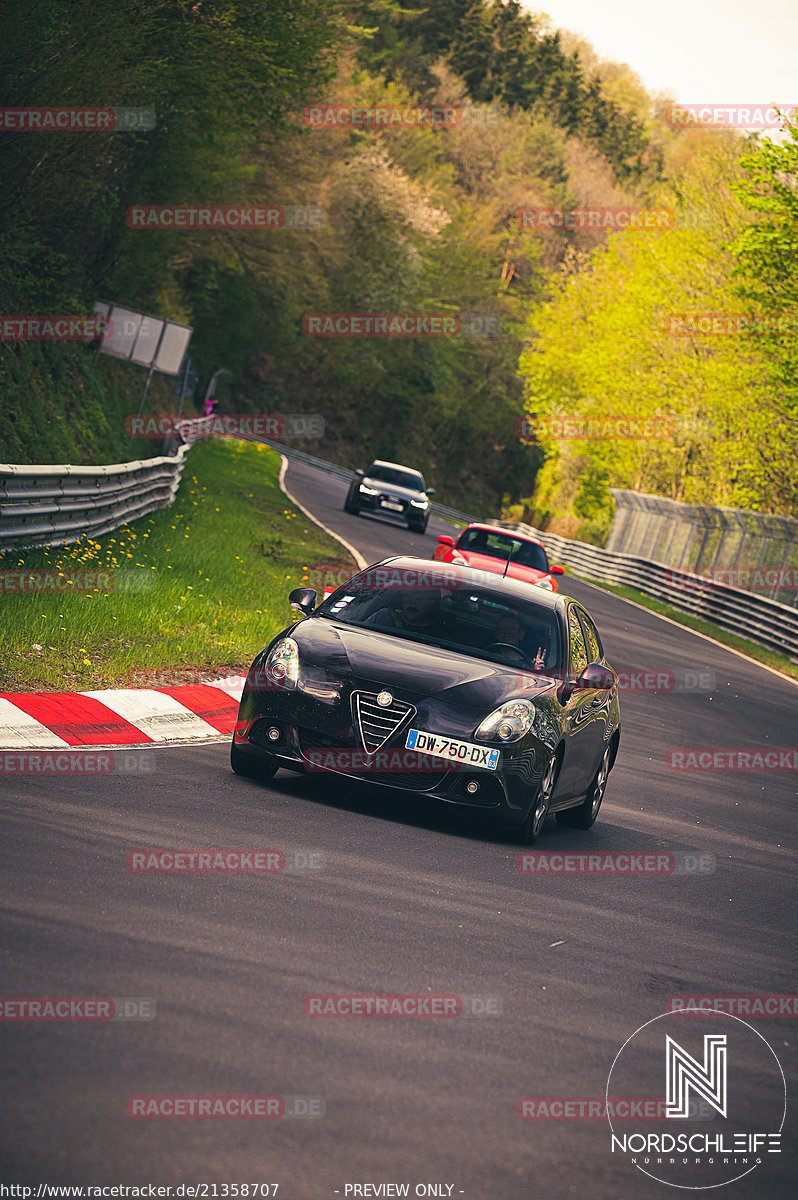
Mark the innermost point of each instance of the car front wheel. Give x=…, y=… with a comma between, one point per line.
x=584, y=815
x=536, y=818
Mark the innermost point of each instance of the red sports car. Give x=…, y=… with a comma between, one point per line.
x=488, y=548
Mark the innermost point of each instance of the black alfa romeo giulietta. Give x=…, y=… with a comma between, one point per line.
x=476, y=690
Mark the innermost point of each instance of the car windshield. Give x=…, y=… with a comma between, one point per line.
x=436, y=608
x=396, y=476
x=499, y=545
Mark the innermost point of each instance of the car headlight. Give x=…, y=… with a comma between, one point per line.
x=420, y=503
x=369, y=491
x=282, y=665
x=507, y=723
x=546, y=583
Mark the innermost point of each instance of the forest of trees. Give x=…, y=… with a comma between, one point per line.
x=408, y=219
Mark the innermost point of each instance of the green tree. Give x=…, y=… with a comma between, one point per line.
x=603, y=348
x=766, y=251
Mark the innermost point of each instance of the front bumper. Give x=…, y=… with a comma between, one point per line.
x=407, y=512
x=316, y=738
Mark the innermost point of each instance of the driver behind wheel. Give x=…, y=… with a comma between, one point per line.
x=511, y=630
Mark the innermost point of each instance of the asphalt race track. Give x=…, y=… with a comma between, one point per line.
x=404, y=900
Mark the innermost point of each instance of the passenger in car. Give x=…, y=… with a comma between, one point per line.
x=416, y=611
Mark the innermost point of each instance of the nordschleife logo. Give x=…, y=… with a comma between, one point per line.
x=716, y=1062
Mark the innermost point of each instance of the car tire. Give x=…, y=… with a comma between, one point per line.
x=531, y=829
x=350, y=506
x=584, y=815
x=251, y=768
x=416, y=527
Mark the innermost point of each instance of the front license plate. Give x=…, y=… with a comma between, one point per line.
x=390, y=504
x=465, y=753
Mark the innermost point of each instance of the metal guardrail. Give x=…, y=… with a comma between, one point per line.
x=58, y=505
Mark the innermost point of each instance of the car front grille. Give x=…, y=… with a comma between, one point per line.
x=377, y=723
x=402, y=776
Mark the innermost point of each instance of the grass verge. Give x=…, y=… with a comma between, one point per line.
x=189, y=592
x=770, y=658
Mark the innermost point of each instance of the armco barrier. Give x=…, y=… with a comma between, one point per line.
x=52, y=506
x=55, y=506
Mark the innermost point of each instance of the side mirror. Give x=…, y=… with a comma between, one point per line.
x=596, y=678
x=445, y=540
x=556, y=570
x=360, y=473
x=430, y=492
x=303, y=600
